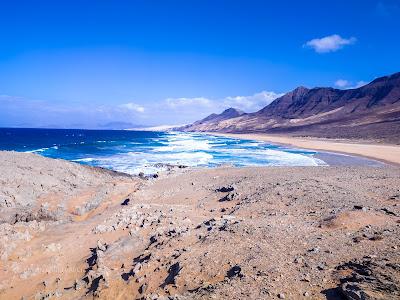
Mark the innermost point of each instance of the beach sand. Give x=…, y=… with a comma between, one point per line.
x=76, y=232
x=382, y=152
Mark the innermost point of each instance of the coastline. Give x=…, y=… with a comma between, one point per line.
x=389, y=154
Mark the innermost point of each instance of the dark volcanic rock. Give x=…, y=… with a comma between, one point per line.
x=225, y=189
x=229, y=197
x=173, y=271
x=371, y=279
x=234, y=271
x=125, y=202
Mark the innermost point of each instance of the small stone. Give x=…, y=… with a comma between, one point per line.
x=298, y=260
x=125, y=202
x=306, y=278
x=281, y=296
x=234, y=271
x=306, y=294
x=225, y=189
x=101, y=245
x=314, y=250
x=143, y=288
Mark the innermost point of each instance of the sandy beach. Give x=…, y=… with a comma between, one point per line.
x=382, y=152
x=69, y=231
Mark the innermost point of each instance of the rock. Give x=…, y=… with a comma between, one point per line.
x=225, y=189
x=125, y=202
x=101, y=228
x=371, y=278
x=101, y=245
x=143, y=288
x=298, y=260
x=352, y=291
x=306, y=278
x=173, y=271
x=281, y=296
x=314, y=250
x=153, y=239
x=229, y=197
x=360, y=207
x=234, y=271
x=388, y=211
x=78, y=284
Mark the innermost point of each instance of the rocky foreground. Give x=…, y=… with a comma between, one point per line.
x=73, y=232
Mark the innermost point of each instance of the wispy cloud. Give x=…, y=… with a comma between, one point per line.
x=247, y=103
x=342, y=83
x=346, y=84
x=185, y=102
x=37, y=113
x=251, y=103
x=132, y=107
x=329, y=43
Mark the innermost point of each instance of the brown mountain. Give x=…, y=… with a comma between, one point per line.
x=368, y=112
x=227, y=114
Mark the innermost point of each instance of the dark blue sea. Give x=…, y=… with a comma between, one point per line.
x=141, y=151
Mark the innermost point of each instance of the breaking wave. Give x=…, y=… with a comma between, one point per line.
x=135, y=152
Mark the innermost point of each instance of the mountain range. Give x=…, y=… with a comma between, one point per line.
x=369, y=112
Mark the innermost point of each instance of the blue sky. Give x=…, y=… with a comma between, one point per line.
x=89, y=63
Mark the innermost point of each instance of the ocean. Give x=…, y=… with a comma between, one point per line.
x=143, y=151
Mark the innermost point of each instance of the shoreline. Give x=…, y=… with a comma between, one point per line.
x=389, y=154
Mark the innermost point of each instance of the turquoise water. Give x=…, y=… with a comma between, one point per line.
x=140, y=151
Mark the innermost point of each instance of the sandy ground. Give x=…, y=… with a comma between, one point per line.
x=385, y=153
x=73, y=232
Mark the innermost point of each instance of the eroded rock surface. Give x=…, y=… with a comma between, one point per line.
x=290, y=233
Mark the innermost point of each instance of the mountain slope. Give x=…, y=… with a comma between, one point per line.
x=368, y=112
x=212, y=119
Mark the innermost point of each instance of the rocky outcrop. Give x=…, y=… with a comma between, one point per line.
x=371, y=278
x=282, y=233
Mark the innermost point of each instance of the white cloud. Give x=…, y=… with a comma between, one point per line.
x=247, y=103
x=187, y=110
x=329, y=43
x=342, y=83
x=18, y=110
x=360, y=84
x=345, y=84
x=132, y=107
x=184, y=102
x=251, y=103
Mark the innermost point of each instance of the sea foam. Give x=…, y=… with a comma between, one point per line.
x=143, y=151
